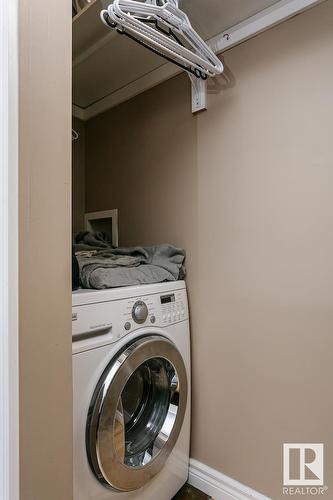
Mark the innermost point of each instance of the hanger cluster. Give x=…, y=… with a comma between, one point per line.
x=160, y=26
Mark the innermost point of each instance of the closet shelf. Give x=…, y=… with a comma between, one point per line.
x=103, y=61
x=82, y=11
x=87, y=27
x=109, y=68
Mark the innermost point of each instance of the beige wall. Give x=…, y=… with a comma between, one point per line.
x=247, y=189
x=78, y=177
x=45, y=293
x=135, y=162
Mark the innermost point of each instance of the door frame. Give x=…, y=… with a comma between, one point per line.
x=9, y=200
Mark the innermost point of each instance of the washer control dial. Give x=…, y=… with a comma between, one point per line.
x=139, y=312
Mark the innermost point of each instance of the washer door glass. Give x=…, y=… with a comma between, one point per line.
x=136, y=413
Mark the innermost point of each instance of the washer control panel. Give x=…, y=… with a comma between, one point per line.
x=174, y=308
x=115, y=318
x=159, y=310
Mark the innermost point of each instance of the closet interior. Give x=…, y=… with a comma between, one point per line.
x=208, y=152
x=127, y=164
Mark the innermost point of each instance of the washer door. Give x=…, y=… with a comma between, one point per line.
x=136, y=413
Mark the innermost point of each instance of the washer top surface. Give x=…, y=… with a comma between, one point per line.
x=84, y=296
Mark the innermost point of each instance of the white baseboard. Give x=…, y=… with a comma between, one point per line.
x=218, y=485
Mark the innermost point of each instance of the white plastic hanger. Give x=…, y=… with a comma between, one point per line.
x=162, y=27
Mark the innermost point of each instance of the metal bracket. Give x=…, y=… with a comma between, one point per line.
x=199, y=93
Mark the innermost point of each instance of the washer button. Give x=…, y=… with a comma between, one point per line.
x=153, y=319
x=127, y=325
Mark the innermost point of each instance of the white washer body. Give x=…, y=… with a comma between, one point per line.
x=102, y=326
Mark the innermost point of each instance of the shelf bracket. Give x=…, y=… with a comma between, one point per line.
x=199, y=93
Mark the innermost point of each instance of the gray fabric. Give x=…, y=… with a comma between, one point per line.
x=90, y=241
x=117, y=267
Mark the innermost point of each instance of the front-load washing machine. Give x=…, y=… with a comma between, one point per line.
x=131, y=376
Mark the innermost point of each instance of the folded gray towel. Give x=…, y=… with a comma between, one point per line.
x=117, y=267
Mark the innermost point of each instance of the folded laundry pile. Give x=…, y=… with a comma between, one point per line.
x=102, y=266
x=90, y=242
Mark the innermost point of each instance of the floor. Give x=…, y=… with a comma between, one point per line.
x=189, y=493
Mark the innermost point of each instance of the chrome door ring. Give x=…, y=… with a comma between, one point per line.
x=102, y=448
